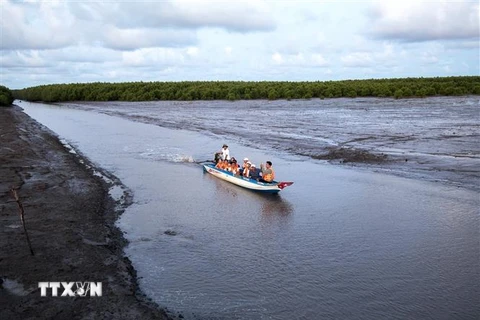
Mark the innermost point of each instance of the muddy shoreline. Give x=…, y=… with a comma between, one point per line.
x=70, y=222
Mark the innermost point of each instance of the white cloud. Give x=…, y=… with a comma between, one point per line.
x=82, y=54
x=124, y=25
x=34, y=26
x=131, y=39
x=277, y=58
x=429, y=58
x=24, y=59
x=416, y=21
x=357, y=59
x=463, y=45
x=192, y=51
x=388, y=51
x=239, y=16
x=300, y=59
x=318, y=60
x=152, y=57
x=75, y=41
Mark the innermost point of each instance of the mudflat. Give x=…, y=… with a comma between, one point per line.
x=70, y=222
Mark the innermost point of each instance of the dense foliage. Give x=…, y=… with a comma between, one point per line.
x=240, y=90
x=6, y=96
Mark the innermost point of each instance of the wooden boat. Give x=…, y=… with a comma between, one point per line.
x=272, y=187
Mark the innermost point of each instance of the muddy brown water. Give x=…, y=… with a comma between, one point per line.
x=342, y=242
x=435, y=139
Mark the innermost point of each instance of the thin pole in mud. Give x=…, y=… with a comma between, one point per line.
x=22, y=217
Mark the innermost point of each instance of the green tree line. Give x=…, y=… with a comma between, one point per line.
x=6, y=96
x=247, y=90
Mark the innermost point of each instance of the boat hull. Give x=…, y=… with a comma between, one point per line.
x=251, y=184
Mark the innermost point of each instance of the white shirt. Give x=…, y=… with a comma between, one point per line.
x=225, y=154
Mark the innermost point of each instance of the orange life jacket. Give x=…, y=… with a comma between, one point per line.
x=246, y=172
x=269, y=176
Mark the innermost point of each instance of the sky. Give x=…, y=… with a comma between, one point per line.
x=45, y=42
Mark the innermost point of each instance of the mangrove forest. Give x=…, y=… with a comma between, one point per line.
x=247, y=90
x=6, y=96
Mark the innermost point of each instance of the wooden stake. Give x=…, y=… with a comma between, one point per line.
x=22, y=217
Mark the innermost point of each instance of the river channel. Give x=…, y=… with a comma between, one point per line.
x=341, y=243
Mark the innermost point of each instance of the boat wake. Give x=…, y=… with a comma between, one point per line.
x=161, y=155
x=188, y=159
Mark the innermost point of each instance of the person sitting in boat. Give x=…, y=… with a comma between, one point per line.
x=268, y=175
x=244, y=164
x=229, y=164
x=234, y=167
x=218, y=156
x=219, y=164
x=246, y=170
x=254, y=173
x=222, y=164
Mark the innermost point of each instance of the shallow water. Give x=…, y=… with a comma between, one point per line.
x=340, y=243
x=436, y=139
